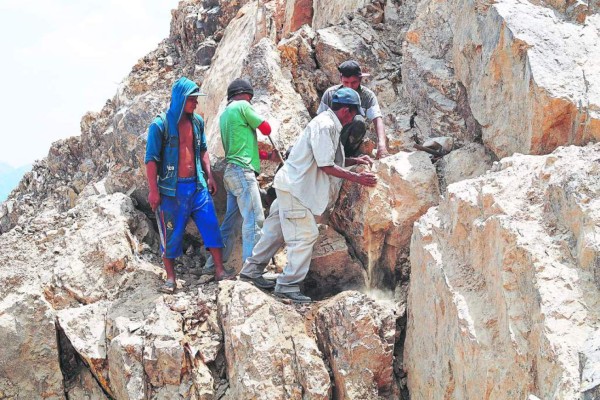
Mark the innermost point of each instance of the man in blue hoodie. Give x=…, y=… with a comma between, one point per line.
x=180, y=179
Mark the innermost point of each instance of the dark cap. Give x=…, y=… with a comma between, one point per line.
x=347, y=96
x=351, y=68
x=239, y=86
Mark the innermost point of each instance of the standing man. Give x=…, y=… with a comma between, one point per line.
x=306, y=186
x=352, y=135
x=180, y=179
x=238, y=125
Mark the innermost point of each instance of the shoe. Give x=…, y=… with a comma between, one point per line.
x=208, y=270
x=168, y=287
x=296, y=297
x=259, y=282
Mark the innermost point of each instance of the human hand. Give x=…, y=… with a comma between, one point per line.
x=382, y=152
x=212, y=186
x=154, y=199
x=366, y=179
x=364, y=160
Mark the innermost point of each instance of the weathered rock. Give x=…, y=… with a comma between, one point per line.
x=378, y=221
x=297, y=14
x=332, y=270
x=126, y=371
x=85, y=387
x=205, y=52
x=531, y=85
x=467, y=162
x=269, y=353
x=331, y=12
x=504, y=282
x=29, y=355
x=357, y=335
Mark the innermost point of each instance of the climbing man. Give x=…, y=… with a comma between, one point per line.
x=238, y=125
x=352, y=135
x=306, y=186
x=180, y=179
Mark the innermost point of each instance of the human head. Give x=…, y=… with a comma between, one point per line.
x=191, y=102
x=240, y=87
x=345, y=103
x=351, y=74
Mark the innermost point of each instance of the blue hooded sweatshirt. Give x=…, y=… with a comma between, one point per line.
x=163, y=147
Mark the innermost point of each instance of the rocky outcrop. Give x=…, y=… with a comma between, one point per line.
x=357, y=335
x=269, y=352
x=377, y=222
x=504, y=283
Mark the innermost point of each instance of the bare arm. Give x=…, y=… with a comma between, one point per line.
x=381, y=139
x=360, y=160
x=210, y=182
x=362, y=178
x=154, y=195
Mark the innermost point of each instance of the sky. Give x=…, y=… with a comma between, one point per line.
x=62, y=58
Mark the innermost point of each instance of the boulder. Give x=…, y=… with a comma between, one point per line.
x=297, y=14
x=377, y=222
x=332, y=12
x=357, y=335
x=85, y=387
x=467, y=162
x=504, y=273
x=268, y=350
x=332, y=270
x=532, y=77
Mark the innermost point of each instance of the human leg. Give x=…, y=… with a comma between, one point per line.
x=300, y=233
x=231, y=223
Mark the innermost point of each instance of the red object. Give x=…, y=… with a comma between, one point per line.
x=265, y=128
x=263, y=155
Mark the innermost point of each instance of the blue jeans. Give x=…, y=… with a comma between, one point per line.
x=244, y=208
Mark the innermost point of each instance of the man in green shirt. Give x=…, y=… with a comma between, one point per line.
x=238, y=124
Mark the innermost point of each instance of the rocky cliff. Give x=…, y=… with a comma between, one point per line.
x=463, y=274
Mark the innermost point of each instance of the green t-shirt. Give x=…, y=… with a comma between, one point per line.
x=238, y=132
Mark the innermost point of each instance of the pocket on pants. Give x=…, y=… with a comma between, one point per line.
x=294, y=214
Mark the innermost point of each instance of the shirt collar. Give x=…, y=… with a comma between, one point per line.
x=335, y=119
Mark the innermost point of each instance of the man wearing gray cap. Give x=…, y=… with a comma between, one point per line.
x=306, y=186
x=352, y=135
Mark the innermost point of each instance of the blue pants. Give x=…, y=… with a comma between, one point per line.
x=174, y=212
x=244, y=208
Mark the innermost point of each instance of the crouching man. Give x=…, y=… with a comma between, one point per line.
x=306, y=186
x=180, y=179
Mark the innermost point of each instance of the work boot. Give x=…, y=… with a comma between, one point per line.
x=296, y=297
x=259, y=282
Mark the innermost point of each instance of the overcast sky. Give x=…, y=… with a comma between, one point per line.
x=61, y=58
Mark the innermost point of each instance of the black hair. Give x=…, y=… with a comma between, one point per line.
x=339, y=106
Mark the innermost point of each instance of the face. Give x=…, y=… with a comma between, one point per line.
x=345, y=115
x=352, y=82
x=190, y=104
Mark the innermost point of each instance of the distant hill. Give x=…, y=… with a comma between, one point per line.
x=10, y=178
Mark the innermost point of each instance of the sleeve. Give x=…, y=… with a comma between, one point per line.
x=251, y=116
x=325, y=102
x=203, y=146
x=372, y=109
x=322, y=145
x=154, y=143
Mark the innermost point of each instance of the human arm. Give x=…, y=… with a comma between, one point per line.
x=362, y=178
x=210, y=182
x=153, y=195
x=360, y=160
x=381, y=139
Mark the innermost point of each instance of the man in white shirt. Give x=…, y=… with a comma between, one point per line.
x=353, y=133
x=306, y=186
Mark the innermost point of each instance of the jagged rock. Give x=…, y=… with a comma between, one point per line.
x=378, y=221
x=205, y=52
x=297, y=14
x=29, y=355
x=331, y=268
x=85, y=387
x=269, y=353
x=126, y=371
x=531, y=77
x=504, y=282
x=85, y=329
x=467, y=162
x=357, y=335
x=330, y=12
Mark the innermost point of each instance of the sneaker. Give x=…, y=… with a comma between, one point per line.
x=296, y=297
x=259, y=282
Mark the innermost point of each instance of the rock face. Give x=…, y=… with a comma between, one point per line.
x=358, y=338
x=504, y=286
x=269, y=353
x=378, y=222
